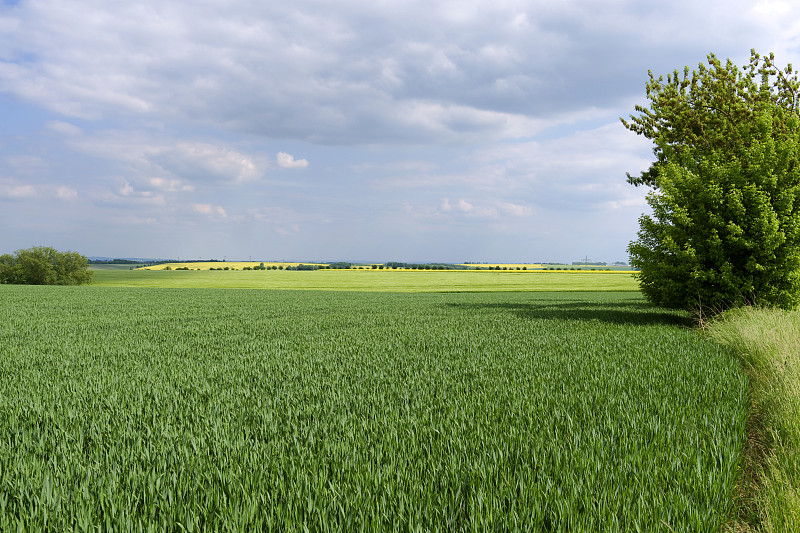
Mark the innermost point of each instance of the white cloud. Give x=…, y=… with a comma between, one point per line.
x=288, y=161
x=137, y=220
x=13, y=190
x=472, y=116
x=363, y=73
x=515, y=209
x=169, y=185
x=782, y=20
x=26, y=164
x=579, y=172
x=417, y=166
x=462, y=207
x=66, y=193
x=126, y=195
x=291, y=229
x=198, y=160
x=167, y=163
x=65, y=128
x=270, y=214
x=210, y=210
x=636, y=198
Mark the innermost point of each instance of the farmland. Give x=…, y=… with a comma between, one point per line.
x=373, y=280
x=232, y=265
x=247, y=265
x=205, y=408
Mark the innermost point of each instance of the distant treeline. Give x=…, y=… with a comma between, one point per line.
x=339, y=265
x=274, y=267
x=162, y=261
x=113, y=261
x=422, y=266
x=148, y=262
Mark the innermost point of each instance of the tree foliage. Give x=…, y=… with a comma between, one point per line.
x=725, y=198
x=42, y=265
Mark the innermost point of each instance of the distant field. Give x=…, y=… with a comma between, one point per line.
x=373, y=280
x=207, y=265
x=243, y=410
x=588, y=267
x=546, y=266
x=114, y=266
x=239, y=265
x=502, y=265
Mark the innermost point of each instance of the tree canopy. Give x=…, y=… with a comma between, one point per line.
x=725, y=198
x=42, y=265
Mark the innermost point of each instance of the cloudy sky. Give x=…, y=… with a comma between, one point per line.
x=464, y=130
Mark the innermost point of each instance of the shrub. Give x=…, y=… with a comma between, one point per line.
x=43, y=265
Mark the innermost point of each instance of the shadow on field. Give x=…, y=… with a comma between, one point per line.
x=624, y=313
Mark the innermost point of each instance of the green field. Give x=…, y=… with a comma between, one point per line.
x=228, y=410
x=373, y=280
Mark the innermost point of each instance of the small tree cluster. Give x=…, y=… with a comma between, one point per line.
x=303, y=267
x=43, y=265
x=419, y=266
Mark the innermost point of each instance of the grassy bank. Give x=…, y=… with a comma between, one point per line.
x=214, y=409
x=768, y=342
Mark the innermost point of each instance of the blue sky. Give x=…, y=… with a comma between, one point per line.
x=316, y=130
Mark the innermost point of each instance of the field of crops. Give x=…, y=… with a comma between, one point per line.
x=373, y=280
x=207, y=409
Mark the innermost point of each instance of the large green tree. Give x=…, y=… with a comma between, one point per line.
x=42, y=265
x=725, y=187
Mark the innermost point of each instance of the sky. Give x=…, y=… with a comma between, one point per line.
x=381, y=130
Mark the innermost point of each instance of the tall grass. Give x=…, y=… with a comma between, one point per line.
x=768, y=341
